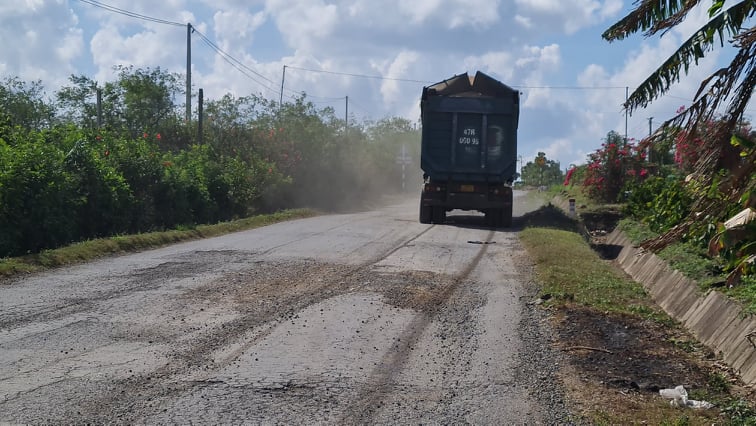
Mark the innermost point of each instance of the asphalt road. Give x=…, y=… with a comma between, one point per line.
x=364, y=318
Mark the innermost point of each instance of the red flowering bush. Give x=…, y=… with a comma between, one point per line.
x=612, y=166
x=687, y=151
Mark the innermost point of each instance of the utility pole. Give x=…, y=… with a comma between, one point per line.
x=626, y=97
x=283, y=77
x=404, y=159
x=99, y=108
x=188, y=72
x=346, y=115
x=650, y=132
x=200, y=102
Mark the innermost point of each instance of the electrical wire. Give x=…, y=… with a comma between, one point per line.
x=568, y=87
x=409, y=80
x=239, y=65
x=374, y=77
x=131, y=14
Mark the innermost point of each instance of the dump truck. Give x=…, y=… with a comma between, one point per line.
x=469, y=148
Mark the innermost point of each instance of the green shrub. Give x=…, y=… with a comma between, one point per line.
x=38, y=196
x=661, y=203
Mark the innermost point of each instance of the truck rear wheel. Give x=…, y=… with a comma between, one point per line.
x=506, y=217
x=439, y=214
x=492, y=217
x=425, y=213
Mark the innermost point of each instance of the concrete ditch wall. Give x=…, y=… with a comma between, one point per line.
x=715, y=320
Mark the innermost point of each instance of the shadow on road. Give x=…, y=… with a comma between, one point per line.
x=547, y=216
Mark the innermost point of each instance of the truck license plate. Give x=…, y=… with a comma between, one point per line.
x=467, y=188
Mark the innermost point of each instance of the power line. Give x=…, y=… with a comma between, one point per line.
x=374, y=77
x=131, y=14
x=239, y=65
x=326, y=100
x=409, y=80
x=568, y=87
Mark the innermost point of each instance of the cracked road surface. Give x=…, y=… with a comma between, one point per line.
x=350, y=319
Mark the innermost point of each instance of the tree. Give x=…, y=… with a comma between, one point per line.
x=733, y=84
x=78, y=103
x=541, y=171
x=654, y=16
x=22, y=104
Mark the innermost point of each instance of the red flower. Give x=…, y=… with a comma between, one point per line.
x=158, y=136
x=144, y=135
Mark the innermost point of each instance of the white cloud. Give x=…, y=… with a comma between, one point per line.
x=473, y=13
x=498, y=64
x=451, y=13
x=390, y=89
x=419, y=10
x=150, y=48
x=303, y=23
x=524, y=21
x=237, y=25
x=571, y=16
x=40, y=40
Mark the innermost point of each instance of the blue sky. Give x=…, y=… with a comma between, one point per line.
x=573, y=82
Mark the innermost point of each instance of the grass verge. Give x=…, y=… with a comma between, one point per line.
x=612, y=332
x=571, y=272
x=92, y=249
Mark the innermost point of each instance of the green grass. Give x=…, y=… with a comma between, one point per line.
x=692, y=262
x=687, y=258
x=745, y=293
x=570, y=271
x=636, y=231
x=92, y=249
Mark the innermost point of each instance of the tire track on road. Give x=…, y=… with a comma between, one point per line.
x=381, y=383
x=129, y=399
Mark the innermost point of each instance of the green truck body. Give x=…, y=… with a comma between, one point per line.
x=469, y=148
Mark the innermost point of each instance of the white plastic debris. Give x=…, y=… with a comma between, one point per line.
x=679, y=398
x=744, y=217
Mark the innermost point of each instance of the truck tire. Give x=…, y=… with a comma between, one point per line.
x=492, y=217
x=439, y=214
x=425, y=213
x=506, y=217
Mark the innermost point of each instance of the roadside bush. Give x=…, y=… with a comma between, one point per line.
x=103, y=192
x=659, y=202
x=612, y=166
x=69, y=177
x=139, y=163
x=38, y=196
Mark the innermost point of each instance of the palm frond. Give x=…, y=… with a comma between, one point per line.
x=647, y=15
x=725, y=25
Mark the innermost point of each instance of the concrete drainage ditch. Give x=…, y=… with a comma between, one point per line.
x=715, y=320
